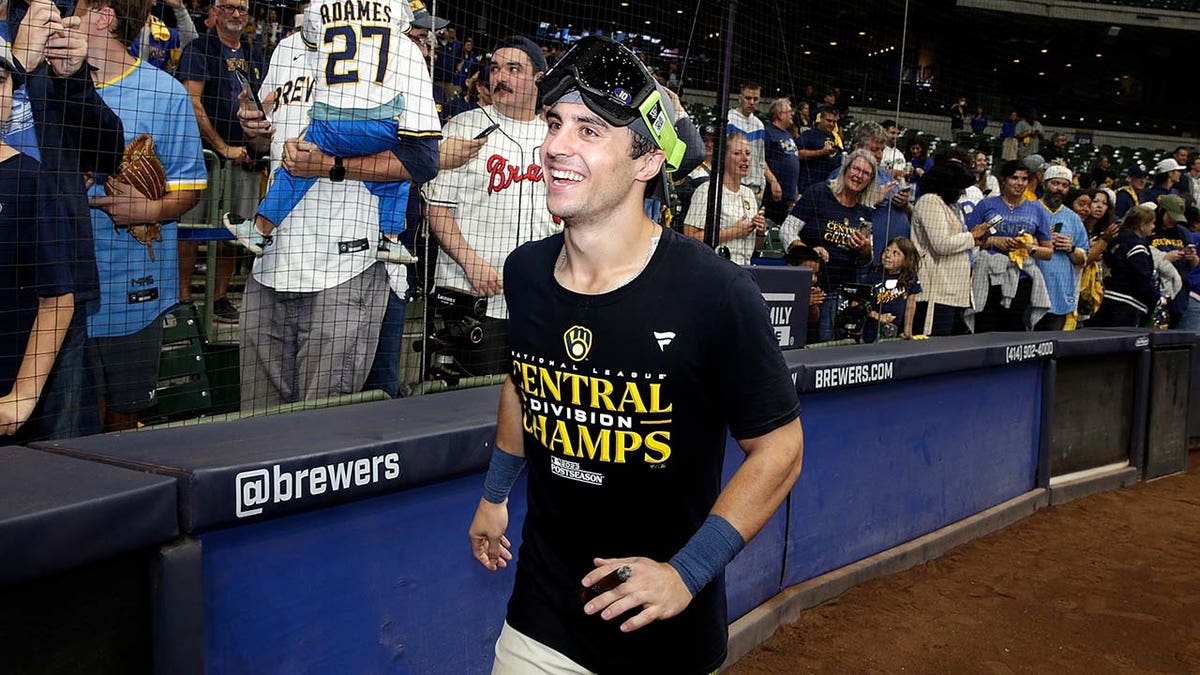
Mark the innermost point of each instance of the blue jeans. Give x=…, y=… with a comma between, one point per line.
x=1191, y=317
x=825, y=327
x=385, y=370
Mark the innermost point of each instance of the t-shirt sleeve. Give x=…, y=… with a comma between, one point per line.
x=755, y=387
x=55, y=240
x=178, y=143
x=1042, y=225
x=445, y=188
x=192, y=63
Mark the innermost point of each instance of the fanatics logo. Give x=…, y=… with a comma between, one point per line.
x=578, y=341
x=664, y=339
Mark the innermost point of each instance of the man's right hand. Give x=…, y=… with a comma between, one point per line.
x=254, y=123
x=489, y=546
x=456, y=151
x=29, y=48
x=484, y=278
x=237, y=154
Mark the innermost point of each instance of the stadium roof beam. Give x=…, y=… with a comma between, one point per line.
x=1121, y=15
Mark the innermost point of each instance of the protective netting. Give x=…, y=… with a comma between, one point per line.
x=228, y=262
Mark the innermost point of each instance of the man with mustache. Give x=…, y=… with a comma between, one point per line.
x=1069, y=241
x=482, y=210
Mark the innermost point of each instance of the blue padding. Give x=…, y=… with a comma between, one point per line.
x=383, y=585
x=1160, y=338
x=840, y=368
x=253, y=468
x=1093, y=342
x=755, y=574
x=887, y=464
x=57, y=512
x=204, y=234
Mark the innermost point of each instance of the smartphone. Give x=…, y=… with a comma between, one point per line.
x=487, y=131
x=1056, y=228
x=251, y=92
x=908, y=188
x=864, y=226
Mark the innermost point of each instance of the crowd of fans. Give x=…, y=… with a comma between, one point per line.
x=1034, y=245
x=902, y=244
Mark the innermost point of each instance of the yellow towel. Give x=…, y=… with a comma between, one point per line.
x=1020, y=255
x=159, y=30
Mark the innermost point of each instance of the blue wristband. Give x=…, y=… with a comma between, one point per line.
x=707, y=553
x=502, y=473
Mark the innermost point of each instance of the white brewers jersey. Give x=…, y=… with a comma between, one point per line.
x=368, y=68
x=498, y=198
x=734, y=207
x=330, y=236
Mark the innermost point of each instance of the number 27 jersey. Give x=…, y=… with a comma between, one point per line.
x=369, y=69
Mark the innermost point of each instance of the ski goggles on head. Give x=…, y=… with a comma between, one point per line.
x=615, y=85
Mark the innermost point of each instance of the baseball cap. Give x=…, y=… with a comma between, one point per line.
x=708, y=131
x=1137, y=171
x=524, y=44
x=1173, y=205
x=1058, y=171
x=1034, y=163
x=1168, y=164
x=423, y=19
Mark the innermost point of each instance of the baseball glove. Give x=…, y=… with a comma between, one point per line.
x=141, y=170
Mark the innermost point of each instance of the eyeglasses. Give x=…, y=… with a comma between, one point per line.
x=617, y=87
x=233, y=9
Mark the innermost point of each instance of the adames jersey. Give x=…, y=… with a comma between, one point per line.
x=368, y=68
x=626, y=398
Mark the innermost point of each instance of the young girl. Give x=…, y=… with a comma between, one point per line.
x=896, y=290
x=36, y=293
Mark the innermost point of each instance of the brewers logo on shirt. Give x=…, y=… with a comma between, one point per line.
x=578, y=341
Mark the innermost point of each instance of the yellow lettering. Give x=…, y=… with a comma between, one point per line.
x=627, y=441
x=560, y=436
x=658, y=443
x=574, y=380
x=551, y=384
x=602, y=389
x=632, y=397
x=656, y=399
x=534, y=424
x=529, y=379
x=588, y=447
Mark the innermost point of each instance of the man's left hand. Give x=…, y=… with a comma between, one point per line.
x=655, y=587
x=303, y=159
x=776, y=192
x=126, y=205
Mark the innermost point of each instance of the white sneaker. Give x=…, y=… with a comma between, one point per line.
x=247, y=234
x=394, y=252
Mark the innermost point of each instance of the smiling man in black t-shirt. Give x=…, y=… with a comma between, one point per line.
x=633, y=350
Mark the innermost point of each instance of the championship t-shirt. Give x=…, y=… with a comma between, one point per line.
x=626, y=398
x=829, y=224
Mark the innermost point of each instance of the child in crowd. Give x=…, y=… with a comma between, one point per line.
x=800, y=255
x=373, y=92
x=36, y=284
x=895, y=290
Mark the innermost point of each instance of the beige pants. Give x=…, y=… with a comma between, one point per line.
x=519, y=654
